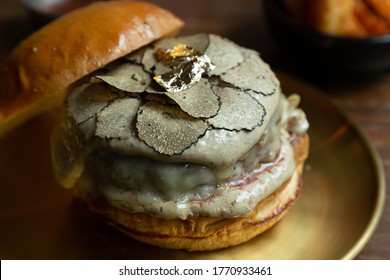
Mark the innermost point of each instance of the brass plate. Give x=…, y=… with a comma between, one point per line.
x=341, y=203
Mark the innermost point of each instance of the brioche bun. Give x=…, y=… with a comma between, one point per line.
x=35, y=75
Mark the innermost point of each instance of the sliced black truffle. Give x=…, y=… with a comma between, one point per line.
x=198, y=101
x=117, y=119
x=238, y=110
x=86, y=101
x=167, y=129
x=251, y=75
x=223, y=53
x=127, y=77
x=136, y=56
x=149, y=60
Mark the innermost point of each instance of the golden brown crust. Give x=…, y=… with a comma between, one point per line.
x=343, y=17
x=36, y=73
x=328, y=16
x=206, y=233
x=371, y=21
x=381, y=7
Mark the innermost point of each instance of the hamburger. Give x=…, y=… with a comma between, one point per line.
x=180, y=142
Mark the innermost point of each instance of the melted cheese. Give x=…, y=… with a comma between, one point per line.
x=177, y=190
x=180, y=190
x=137, y=182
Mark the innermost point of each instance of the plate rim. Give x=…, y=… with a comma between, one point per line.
x=376, y=163
x=379, y=205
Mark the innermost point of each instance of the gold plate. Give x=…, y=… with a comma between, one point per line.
x=341, y=203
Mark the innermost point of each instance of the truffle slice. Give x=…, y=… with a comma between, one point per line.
x=117, y=119
x=149, y=60
x=243, y=76
x=238, y=110
x=136, y=56
x=198, y=101
x=167, y=129
x=87, y=100
x=223, y=53
x=127, y=77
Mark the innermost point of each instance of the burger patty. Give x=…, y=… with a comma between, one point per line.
x=180, y=190
x=176, y=190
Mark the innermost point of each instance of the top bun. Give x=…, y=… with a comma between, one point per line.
x=35, y=75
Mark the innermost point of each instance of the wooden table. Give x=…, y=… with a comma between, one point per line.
x=366, y=103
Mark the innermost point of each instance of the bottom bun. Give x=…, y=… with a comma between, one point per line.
x=199, y=233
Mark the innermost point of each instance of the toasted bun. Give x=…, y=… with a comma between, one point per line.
x=198, y=233
x=35, y=75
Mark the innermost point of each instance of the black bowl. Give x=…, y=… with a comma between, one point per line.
x=330, y=53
